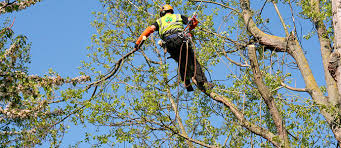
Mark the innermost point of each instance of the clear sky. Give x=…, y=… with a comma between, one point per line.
x=60, y=31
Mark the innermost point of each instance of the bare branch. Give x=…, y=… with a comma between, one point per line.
x=113, y=71
x=78, y=109
x=293, y=88
x=234, y=62
x=178, y=118
x=292, y=17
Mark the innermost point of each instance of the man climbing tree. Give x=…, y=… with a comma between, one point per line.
x=178, y=43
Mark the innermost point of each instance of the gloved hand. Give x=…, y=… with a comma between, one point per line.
x=193, y=23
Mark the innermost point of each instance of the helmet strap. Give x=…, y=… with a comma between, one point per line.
x=163, y=12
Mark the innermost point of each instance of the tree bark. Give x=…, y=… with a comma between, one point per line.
x=326, y=49
x=336, y=11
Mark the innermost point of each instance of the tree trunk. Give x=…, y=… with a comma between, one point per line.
x=336, y=11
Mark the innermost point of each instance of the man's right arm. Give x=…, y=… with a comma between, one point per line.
x=194, y=21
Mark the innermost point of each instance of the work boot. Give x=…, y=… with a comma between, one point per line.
x=188, y=86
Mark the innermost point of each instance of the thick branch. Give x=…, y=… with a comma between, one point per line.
x=278, y=44
x=336, y=11
x=178, y=119
x=244, y=122
x=325, y=47
x=268, y=98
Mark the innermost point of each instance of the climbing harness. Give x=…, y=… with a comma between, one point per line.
x=186, y=38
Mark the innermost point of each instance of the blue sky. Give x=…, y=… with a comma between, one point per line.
x=59, y=31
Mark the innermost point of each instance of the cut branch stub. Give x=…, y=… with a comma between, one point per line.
x=334, y=62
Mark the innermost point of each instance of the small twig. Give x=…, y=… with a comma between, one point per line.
x=280, y=17
x=224, y=37
x=261, y=10
x=9, y=28
x=292, y=17
x=116, y=67
x=220, y=4
x=12, y=24
x=75, y=111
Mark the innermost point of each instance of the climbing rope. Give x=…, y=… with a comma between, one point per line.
x=186, y=62
x=187, y=37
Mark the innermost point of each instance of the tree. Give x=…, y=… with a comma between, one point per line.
x=31, y=109
x=144, y=103
x=141, y=100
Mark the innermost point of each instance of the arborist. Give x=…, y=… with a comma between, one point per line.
x=177, y=42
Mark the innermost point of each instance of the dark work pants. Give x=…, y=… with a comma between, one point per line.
x=174, y=46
